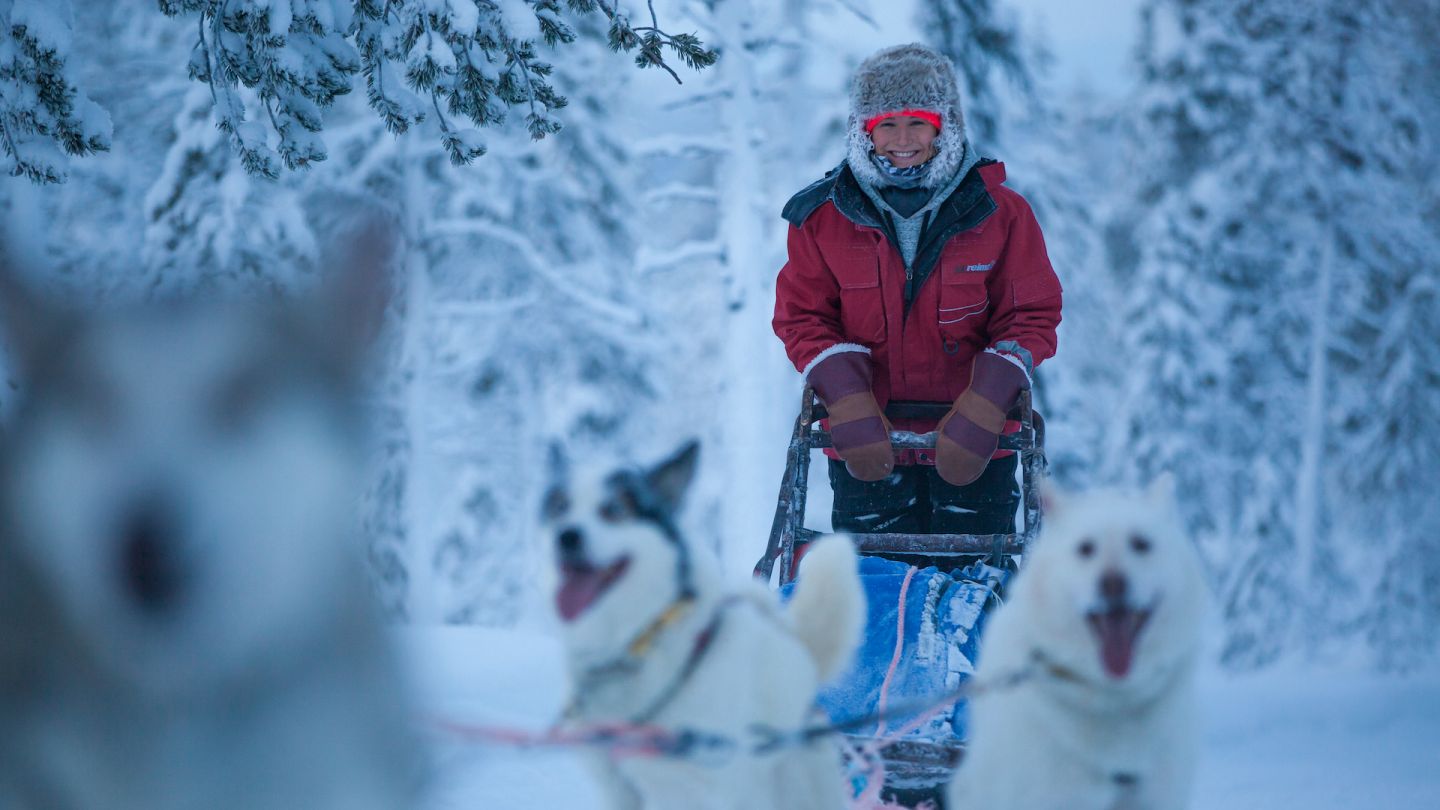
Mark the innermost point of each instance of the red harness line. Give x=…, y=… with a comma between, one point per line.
x=645, y=739
x=618, y=740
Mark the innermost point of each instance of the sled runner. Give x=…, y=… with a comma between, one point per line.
x=924, y=623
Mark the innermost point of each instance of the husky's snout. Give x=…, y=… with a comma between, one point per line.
x=1117, y=623
x=152, y=571
x=1114, y=587
x=582, y=580
x=571, y=545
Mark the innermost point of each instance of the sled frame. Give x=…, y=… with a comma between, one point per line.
x=788, y=534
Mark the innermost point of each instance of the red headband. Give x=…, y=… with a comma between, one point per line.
x=924, y=115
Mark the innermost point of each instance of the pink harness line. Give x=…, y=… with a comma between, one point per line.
x=869, y=798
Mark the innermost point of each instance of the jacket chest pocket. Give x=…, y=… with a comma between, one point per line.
x=964, y=306
x=862, y=307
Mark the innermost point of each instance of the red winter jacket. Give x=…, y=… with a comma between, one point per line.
x=983, y=279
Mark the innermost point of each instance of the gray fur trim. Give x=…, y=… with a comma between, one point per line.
x=906, y=77
x=908, y=229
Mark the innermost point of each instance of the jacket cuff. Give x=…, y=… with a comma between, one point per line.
x=838, y=348
x=1016, y=354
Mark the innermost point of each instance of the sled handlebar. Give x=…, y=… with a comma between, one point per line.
x=899, y=439
x=905, y=440
x=908, y=440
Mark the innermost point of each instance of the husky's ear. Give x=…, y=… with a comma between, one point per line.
x=555, y=502
x=671, y=478
x=29, y=324
x=356, y=288
x=557, y=466
x=1162, y=490
x=1052, y=500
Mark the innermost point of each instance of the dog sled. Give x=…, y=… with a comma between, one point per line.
x=924, y=623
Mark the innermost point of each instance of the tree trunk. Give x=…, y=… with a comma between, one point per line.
x=1312, y=437
x=424, y=603
x=750, y=387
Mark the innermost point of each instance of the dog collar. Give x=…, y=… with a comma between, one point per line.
x=692, y=663
x=640, y=646
x=1055, y=669
x=629, y=661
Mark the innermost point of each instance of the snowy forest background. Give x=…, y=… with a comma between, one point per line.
x=1248, y=232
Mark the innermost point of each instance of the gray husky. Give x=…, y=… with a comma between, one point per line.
x=184, y=622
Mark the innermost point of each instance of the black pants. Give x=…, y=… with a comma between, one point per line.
x=916, y=500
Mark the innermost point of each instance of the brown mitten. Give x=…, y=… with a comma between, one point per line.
x=968, y=435
x=858, y=429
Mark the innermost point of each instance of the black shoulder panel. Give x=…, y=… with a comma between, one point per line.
x=803, y=204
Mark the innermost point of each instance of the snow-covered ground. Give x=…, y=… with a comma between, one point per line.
x=1304, y=739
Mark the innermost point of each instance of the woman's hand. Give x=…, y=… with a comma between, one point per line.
x=969, y=434
x=859, y=431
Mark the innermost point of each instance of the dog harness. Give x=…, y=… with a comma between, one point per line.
x=1126, y=783
x=698, y=649
x=636, y=651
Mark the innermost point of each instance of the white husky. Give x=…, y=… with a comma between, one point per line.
x=654, y=639
x=1106, y=613
x=184, y=621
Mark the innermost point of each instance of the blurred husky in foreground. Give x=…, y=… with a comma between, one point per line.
x=1107, y=614
x=655, y=640
x=184, y=621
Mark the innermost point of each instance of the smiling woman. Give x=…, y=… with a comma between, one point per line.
x=915, y=274
x=905, y=139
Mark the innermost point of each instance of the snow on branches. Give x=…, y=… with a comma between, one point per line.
x=294, y=53
x=44, y=118
x=461, y=63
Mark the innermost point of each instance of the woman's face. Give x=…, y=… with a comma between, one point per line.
x=905, y=140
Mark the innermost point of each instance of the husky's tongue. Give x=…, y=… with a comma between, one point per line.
x=581, y=585
x=1118, y=629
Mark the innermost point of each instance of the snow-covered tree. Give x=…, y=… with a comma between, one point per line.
x=1381, y=416
x=518, y=323
x=209, y=224
x=45, y=116
x=90, y=229
x=169, y=208
x=458, y=60
x=996, y=62
x=1276, y=365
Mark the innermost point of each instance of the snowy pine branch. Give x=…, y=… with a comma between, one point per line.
x=44, y=118
x=650, y=40
x=463, y=62
x=294, y=54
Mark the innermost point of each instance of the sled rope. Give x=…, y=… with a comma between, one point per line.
x=622, y=740
x=642, y=738
x=873, y=770
x=619, y=740
x=899, y=649
x=775, y=739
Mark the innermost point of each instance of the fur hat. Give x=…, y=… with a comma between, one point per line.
x=906, y=77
